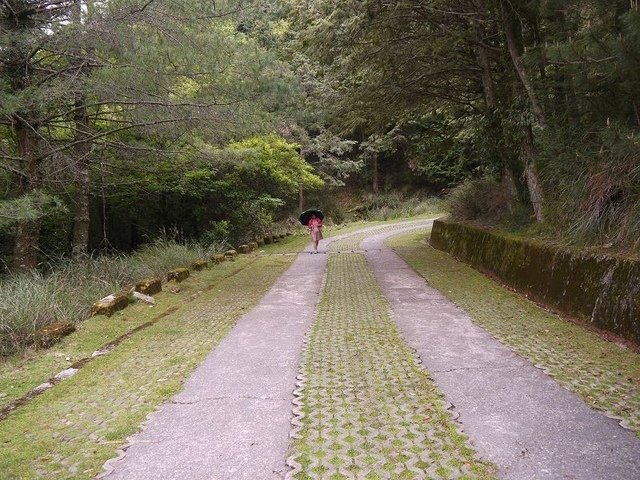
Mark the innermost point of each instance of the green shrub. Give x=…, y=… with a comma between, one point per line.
x=478, y=199
x=218, y=232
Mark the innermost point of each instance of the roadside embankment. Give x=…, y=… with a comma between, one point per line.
x=601, y=289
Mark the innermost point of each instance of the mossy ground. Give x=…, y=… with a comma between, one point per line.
x=604, y=374
x=72, y=429
x=21, y=373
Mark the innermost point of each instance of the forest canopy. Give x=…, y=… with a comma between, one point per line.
x=539, y=101
x=123, y=120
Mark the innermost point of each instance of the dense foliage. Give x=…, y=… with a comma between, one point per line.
x=116, y=120
x=543, y=96
x=124, y=120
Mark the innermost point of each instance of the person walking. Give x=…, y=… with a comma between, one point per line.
x=315, y=230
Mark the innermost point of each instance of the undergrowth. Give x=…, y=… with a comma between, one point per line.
x=31, y=301
x=591, y=187
x=390, y=206
x=592, y=183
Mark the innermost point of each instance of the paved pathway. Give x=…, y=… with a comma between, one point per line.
x=367, y=408
x=517, y=416
x=232, y=421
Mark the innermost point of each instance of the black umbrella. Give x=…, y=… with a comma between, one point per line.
x=306, y=215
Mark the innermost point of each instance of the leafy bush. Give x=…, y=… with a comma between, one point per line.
x=478, y=199
x=254, y=219
x=218, y=232
x=269, y=164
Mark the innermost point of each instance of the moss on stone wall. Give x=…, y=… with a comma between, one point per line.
x=600, y=289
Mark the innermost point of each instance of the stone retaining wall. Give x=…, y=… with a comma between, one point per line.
x=600, y=289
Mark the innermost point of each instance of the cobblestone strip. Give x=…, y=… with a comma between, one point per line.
x=85, y=419
x=365, y=408
x=606, y=376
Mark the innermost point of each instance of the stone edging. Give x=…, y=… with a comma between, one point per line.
x=103, y=350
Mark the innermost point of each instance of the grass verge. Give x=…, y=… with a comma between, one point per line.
x=29, y=302
x=72, y=429
x=604, y=374
x=21, y=373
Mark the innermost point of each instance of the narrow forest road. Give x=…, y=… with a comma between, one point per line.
x=384, y=367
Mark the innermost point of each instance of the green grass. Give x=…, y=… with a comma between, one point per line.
x=31, y=301
x=21, y=373
x=395, y=207
x=73, y=428
x=604, y=374
x=291, y=244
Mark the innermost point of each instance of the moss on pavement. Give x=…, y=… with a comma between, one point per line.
x=369, y=409
x=604, y=374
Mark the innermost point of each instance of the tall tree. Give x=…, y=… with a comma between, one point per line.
x=23, y=24
x=87, y=80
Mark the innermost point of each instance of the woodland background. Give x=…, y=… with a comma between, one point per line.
x=129, y=122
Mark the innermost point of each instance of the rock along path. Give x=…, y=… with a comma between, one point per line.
x=233, y=418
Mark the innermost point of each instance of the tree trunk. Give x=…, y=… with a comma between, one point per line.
x=27, y=241
x=514, y=52
x=527, y=150
x=80, y=243
x=17, y=70
x=490, y=98
x=488, y=86
x=530, y=173
x=375, y=184
x=25, y=254
x=81, y=212
x=509, y=184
